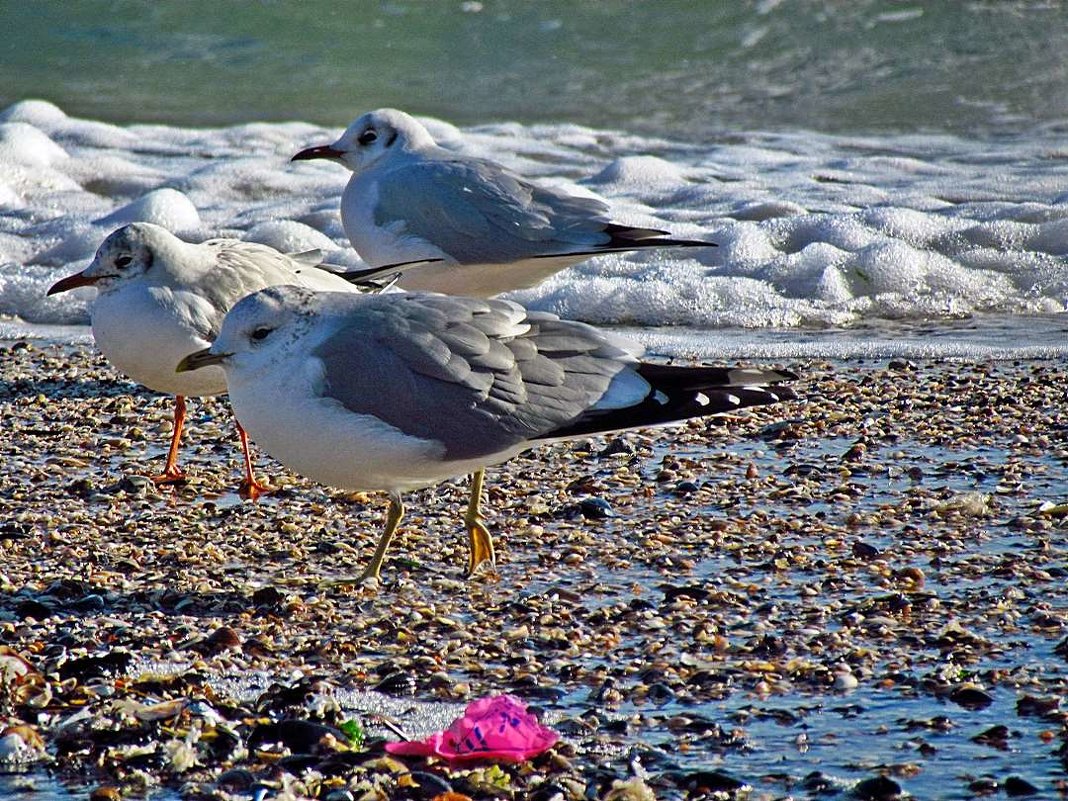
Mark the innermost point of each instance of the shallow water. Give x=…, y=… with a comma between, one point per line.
x=814, y=231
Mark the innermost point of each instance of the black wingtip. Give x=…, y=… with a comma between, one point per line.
x=369, y=275
x=680, y=393
x=628, y=237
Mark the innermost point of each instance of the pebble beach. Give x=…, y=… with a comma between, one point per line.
x=709, y=610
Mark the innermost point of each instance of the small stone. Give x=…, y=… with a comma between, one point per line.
x=971, y=697
x=267, y=596
x=877, y=788
x=595, y=508
x=1016, y=787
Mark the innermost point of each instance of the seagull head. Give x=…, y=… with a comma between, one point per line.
x=256, y=329
x=375, y=136
x=125, y=255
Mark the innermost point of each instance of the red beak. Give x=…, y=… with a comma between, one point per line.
x=320, y=152
x=72, y=282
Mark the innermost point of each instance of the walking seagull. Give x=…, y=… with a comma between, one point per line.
x=394, y=392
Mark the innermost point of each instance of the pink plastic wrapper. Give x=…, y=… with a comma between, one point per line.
x=494, y=729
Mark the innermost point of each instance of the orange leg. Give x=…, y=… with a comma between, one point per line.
x=250, y=488
x=173, y=474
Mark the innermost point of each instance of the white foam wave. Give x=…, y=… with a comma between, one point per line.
x=813, y=230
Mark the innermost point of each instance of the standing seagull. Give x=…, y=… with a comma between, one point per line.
x=491, y=230
x=397, y=392
x=160, y=297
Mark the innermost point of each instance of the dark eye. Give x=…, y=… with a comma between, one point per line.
x=367, y=137
x=122, y=262
x=260, y=334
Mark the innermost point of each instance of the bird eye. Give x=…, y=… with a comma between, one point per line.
x=260, y=334
x=367, y=137
x=122, y=262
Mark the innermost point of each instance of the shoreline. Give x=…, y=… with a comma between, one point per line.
x=879, y=544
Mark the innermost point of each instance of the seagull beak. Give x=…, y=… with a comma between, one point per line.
x=73, y=282
x=320, y=152
x=202, y=358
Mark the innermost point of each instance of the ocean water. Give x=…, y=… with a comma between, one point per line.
x=862, y=166
x=816, y=232
x=676, y=68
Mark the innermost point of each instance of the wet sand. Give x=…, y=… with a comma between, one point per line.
x=864, y=589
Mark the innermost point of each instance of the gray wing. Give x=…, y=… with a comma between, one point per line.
x=479, y=213
x=479, y=376
x=240, y=268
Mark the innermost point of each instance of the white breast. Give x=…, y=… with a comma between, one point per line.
x=284, y=413
x=143, y=331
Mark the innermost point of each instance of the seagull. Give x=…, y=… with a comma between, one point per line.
x=160, y=297
x=491, y=230
x=395, y=392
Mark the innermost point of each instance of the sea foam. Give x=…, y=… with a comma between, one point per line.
x=812, y=230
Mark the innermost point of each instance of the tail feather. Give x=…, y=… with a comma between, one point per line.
x=370, y=275
x=625, y=237
x=683, y=377
x=679, y=393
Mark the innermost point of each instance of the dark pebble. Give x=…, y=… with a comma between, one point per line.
x=616, y=726
x=818, y=784
x=92, y=667
x=549, y=792
x=984, y=785
x=1033, y=706
x=14, y=531
x=710, y=678
x=803, y=470
x=686, y=488
x=235, y=780
x=877, y=788
x=1061, y=648
x=710, y=781
x=31, y=607
x=297, y=763
x=89, y=603
x=971, y=698
x=280, y=696
x=660, y=693
x=299, y=736
x=597, y=696
x=861, y=550
x=671, y=592
x=617, y=447
x=223, y=744
x=550, y=694
x=267, y=596
x=343, y=762
x=1015, y=787
x=427, y=785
